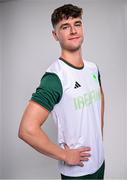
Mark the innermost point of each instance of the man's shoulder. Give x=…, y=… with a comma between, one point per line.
x=90, y=64
x=54, y=67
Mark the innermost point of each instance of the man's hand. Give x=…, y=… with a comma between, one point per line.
x=77, y=156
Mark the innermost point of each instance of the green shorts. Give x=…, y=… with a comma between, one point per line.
x=97, y=175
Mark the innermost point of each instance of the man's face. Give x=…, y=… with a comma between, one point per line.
x=69, y=33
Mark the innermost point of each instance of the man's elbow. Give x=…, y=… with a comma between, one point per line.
x=25, y=132
x=22, y=132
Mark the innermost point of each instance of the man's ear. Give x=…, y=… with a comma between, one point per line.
x=54, y=35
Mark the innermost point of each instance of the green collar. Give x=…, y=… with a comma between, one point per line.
x=70, y=64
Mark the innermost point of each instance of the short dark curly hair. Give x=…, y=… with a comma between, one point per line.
x=64, y=12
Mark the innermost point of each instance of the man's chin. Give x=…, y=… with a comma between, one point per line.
x=73, y=49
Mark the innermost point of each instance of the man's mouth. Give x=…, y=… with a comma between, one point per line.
x=73, y=38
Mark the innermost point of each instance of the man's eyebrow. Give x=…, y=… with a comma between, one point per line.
x=78, y=21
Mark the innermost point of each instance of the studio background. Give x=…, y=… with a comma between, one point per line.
x=27, y=48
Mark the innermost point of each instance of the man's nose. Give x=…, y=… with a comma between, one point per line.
x=73, y=30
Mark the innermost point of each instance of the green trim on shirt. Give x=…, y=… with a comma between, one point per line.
x=71, y=65
x=49, y=91
x=99, y=78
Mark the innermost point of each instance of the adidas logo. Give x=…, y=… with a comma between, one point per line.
x=77, y=85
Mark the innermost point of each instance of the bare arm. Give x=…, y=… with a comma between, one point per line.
x=31, y=132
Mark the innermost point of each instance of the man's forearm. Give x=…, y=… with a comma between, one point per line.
x=40, y=141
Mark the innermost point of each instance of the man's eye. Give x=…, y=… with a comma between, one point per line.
x=65, y=27
x=78, y=24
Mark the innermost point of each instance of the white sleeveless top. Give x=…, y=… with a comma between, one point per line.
x=78, y=114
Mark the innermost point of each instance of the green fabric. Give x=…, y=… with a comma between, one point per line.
x=97, y=175
x=49, y=91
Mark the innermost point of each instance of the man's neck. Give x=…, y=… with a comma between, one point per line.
x=74, y=58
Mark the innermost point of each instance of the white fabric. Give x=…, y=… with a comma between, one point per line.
x=78, y=115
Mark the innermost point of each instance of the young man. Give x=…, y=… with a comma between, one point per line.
x=71, y=90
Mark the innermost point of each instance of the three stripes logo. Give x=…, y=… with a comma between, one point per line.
x=77, y=85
